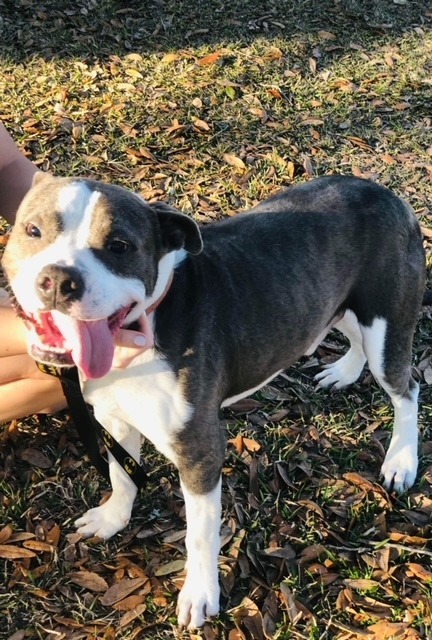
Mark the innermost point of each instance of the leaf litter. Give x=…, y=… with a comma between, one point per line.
x=214, y=121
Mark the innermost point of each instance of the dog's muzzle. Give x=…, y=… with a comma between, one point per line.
x=59, y=286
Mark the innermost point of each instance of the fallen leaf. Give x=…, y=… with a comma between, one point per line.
x=326, y=35
x=170, y=57
x=36, y=458
x=312, y=121
x=417, y=570
x=133, y=73
x=129, y=603
x=88, y=580
x=210, y=59
x=38, y=545
x=5, y=533
x=234, y=161
x=120, y=590
x=129, y=616
x=11, y=552
x=201, y=124
x=361, y=583
x=170, y=567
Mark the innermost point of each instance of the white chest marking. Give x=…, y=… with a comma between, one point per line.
x=148, y=396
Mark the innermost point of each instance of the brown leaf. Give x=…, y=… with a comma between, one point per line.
x=53, y=535
x=127, y=129
x=170, y=567
x=313, y=64
x=326, y=35
x=275, y=93
x=312, y=121
x=358, y=142
x=5, y=533
x=361, y=583
x=120, y=590
x=249, y=616
x=210, y=59
x=403, y=538
x=201, y=124
x=89, y=580
x=307, y=165
x=294, y=612
x=170, y=57
x=426, y=231
x=417, y=570
x=251, y=445
x=36, y=458
x=11, y=552
x=358, y=480
x=129, y=616
x=129, y=603
x=313, y=506
x=18, y=635
x=312, y=552
x=234, y=161
x=133, y=73
x=38, y=545
x=384, y=630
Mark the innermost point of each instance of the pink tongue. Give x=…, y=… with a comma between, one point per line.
x=90, y=342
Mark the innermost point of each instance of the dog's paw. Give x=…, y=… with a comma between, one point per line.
x=196, y=603
x=103, y=521
x=343, y=372
x=399, y=470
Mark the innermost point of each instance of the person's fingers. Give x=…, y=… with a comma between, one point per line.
x=130, y=339
x=129, y=344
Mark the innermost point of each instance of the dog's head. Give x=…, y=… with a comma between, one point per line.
x=83, y=259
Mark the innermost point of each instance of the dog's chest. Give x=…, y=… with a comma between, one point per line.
x=147, y=395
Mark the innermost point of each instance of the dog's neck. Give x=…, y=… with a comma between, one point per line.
x=157, y=302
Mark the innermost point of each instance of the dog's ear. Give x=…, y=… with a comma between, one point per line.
x=178, y=231
x=41, y=176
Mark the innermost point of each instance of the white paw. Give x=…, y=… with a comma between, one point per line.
x=343, y=372
x=399, y=470
x=103, y=521
x=196, y=603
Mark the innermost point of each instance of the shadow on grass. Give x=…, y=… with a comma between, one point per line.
x=90, y=29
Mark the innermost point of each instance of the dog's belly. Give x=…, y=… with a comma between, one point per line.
x=147, y=395
x=228, y=401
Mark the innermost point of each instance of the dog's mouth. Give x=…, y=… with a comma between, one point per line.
x=61, y=340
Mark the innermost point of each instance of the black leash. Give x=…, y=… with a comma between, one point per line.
x=89, y=428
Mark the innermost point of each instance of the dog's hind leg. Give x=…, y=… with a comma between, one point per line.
x=347, y=369
x=388, y=350
x=114, y=514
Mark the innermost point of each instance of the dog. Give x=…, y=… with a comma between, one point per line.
x=230, y=304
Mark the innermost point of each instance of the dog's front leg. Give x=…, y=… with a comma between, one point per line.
x=199, y=597
x=115, y=513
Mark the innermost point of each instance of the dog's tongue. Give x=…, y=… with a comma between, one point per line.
x=90, y=342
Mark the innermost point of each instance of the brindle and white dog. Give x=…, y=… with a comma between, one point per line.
x=249, y=296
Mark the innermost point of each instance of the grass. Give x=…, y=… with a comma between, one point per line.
x=213, y=106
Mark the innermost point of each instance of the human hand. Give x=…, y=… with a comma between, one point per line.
x=129, y=344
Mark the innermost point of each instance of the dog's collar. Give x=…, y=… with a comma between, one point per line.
x=157, y=302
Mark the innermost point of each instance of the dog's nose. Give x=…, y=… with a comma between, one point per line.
x=59, y=286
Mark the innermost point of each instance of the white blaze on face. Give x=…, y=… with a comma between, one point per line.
x=76, y=204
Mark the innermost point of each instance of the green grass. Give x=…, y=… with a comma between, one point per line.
x=126, y=92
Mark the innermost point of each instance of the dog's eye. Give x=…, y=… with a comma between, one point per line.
x=33, y=231
x=118, y=246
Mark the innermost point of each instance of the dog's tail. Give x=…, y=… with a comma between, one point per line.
x=427, y=298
